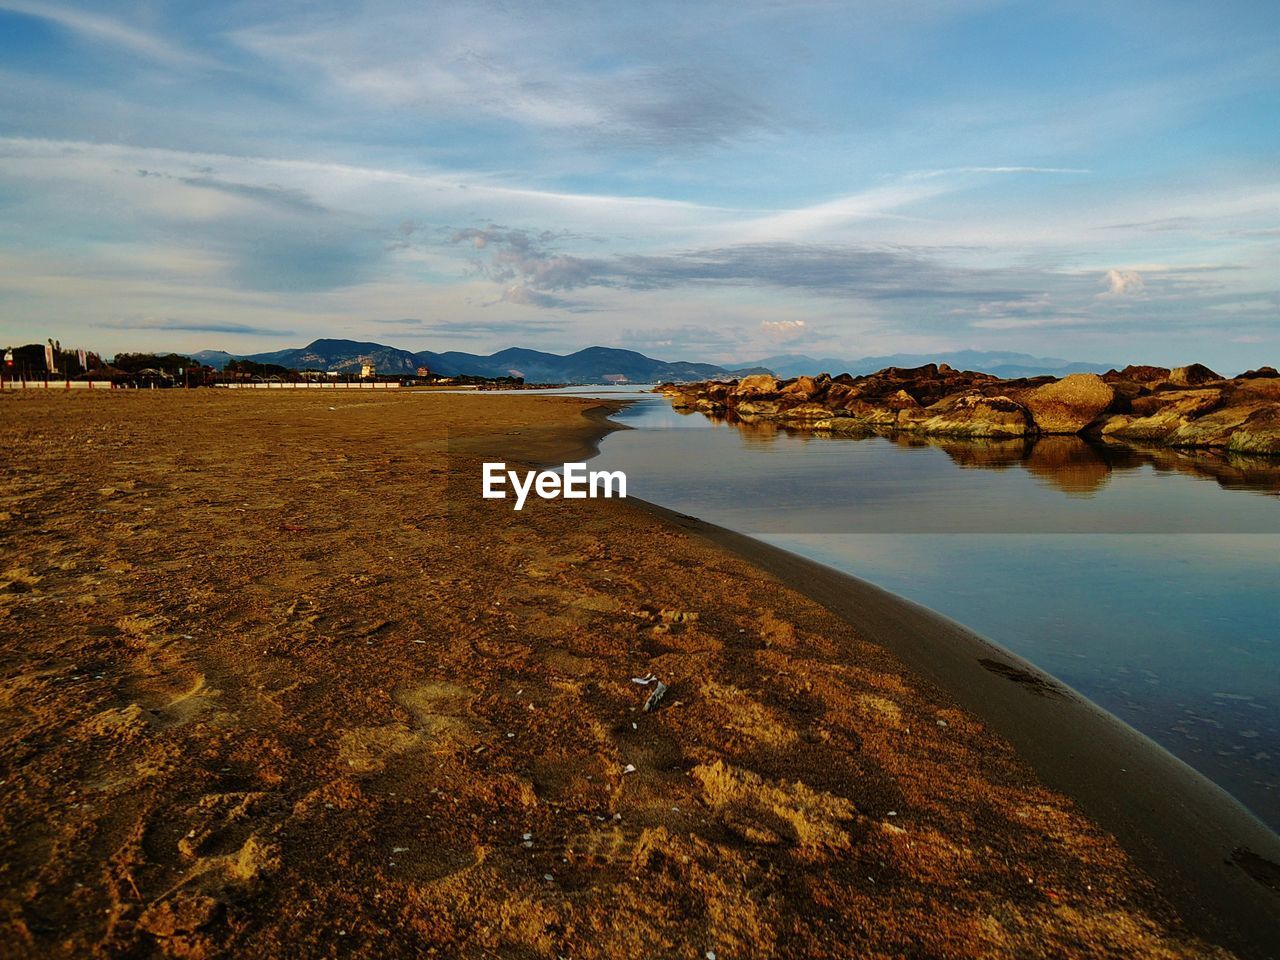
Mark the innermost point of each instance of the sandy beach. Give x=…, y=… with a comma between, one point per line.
x=275, y=684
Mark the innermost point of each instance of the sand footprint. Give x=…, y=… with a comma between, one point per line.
x=769, y=811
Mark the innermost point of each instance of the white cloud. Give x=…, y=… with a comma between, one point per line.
x=783, y=329
x=1124, y=283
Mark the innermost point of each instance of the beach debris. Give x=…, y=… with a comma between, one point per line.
x=399, y=849
x=644, y=681
x=629, y=768
x=655, y=698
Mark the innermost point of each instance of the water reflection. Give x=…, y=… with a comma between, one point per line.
x=1073, y=465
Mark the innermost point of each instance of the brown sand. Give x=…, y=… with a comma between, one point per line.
x=265, y=693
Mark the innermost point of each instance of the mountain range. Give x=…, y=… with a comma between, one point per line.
x=606, y=364
x=592, y=365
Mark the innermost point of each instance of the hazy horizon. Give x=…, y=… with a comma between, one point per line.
x=713, y=182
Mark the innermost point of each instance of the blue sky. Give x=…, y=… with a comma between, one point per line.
x=1097, y=181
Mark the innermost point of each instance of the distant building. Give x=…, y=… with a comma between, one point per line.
x=615, y=378
x=424, y=372
x=368, y=370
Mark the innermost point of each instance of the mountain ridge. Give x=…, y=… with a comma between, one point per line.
x=594, y=364
x=597, y=364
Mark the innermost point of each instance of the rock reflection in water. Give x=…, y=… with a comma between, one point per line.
x=1075, y=466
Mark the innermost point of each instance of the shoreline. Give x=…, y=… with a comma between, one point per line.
x=1217, y=863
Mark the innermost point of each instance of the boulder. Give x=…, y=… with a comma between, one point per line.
x=837, y=392
x=1254, y=390
x=805, y=411
x=1071, y=404
x=970, y=415
x=757, y=385
x=803, y=387
x=1188, y=403
x=1216, y=428
x=1137, y=373
x=1259, y=434
x=757, y=408
x=868, y=413
x=1193, y=375
x=842, y=425
x=1158, y=416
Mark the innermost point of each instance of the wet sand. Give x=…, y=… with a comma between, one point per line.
x=267, y=689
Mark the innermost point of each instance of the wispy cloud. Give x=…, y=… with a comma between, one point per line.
x=193, y=326
x=473, y=329
x=954, y=171
x=96, y=27
x=472, y=61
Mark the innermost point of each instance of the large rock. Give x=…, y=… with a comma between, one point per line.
x=1137, y=373
x=802, y=387
x=757, y=408
x=969, y=415
x=843, y=425
x=805, y=412
x=1158, y=416
x=1071, y=404
x=1262, y=373
x=1193, y=375
x=1215, y=429
x=1255, y=390
x=1185, y=403
x=1259, y=434
x=757, y=385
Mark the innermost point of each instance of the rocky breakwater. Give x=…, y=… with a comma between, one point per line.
x=1184, y=407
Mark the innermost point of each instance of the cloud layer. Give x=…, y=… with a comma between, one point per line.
x=705, y=179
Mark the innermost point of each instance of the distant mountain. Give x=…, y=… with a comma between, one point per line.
x=343, y=356
x=214, y=358
x=1000, y=363
x=592, y=365
x=606, y=364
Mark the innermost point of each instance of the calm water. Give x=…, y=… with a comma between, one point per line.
x=1149, y=582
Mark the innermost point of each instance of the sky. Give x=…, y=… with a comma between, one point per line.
x=1097, y=181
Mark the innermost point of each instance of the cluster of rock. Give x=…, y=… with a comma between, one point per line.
x=1184, y=407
